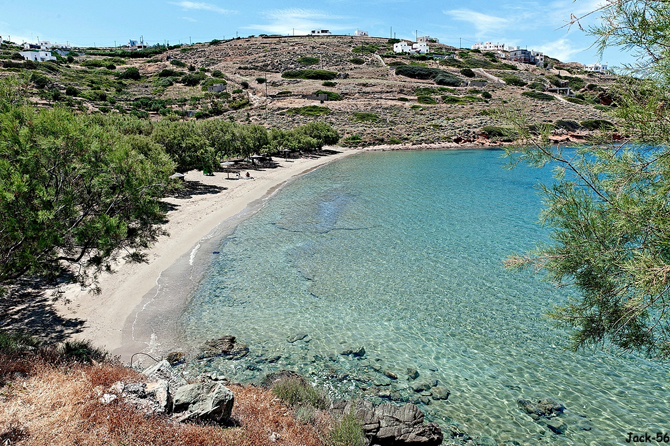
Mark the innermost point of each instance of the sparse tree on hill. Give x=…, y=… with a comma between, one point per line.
x=609, y=210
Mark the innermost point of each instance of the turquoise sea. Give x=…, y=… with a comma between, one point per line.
x=402, y=253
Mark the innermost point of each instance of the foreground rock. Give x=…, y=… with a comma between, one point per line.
x=203, y=402
x=389, y=425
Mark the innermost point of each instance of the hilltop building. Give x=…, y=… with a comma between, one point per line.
x=427, y=39
x=360, y=33
x=320, y=32
x=526, y=56
x=37, y=56
x=134, y=45
x=596, y=68
x=416, y=48
x=490, y=46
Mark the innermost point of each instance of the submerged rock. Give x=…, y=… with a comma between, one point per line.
x=412, y=373
x=543, y=407
x=440, y=393
x=296, y=337
x=225, y=346
x=357, y=352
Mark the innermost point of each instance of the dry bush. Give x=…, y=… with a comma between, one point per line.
x=60, y=405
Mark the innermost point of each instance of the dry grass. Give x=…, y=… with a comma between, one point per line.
x=46, y=404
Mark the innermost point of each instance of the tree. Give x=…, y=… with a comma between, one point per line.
x=324, y=134
x=73, y=191
x=608, y=209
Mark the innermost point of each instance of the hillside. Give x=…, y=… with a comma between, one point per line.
x=369, y=103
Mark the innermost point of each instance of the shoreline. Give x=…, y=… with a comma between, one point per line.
x=209, y=202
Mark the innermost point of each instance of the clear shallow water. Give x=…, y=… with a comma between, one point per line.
x=401, y=253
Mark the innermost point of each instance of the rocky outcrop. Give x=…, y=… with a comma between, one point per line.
x=546, y=412
x=390, y=425
x=203, y=402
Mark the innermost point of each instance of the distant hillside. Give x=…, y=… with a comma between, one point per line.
x=371, y=95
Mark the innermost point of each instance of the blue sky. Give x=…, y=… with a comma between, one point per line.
x=532, y=24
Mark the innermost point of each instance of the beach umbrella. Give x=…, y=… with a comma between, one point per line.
x=227, y=164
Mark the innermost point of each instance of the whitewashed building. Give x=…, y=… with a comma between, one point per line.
x=37, y=56
x=416, y=48
x=428, y=39
x=402, y=47
x=320, y=32
x=538, y=57
x=420, y=48
x=360, y=33
x=596, y=68
x=136, y=45
x=489, y=46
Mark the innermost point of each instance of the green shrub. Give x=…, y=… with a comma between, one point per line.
x=130, y=73
x=307, y=60
x=212, y=42
x=17, y=342
x=365, y=117
x=396, y=63
x=513, y=80
x=426, y=100
x=602, y=107
x=309, y=74
x=357, y=61
x=578, y=101
x=295, y=391
x=478, y=63
x=217, y=74
x=402, y=99
x=454, y=63
x=365, y=49
x=239, y=103
x=178, y=63
x=244, y=84
x=329, y=83
x=40, y=81
x=284, y=93
x=169, y=73
x=82, y=351
x=191, y=80
x=567, y=125
x=393, y=41
x=331, y=96
x=309, y=110
x=486, y=95
x=394, y=141
x=538, y=95
x=71, y=91
x=347, y=431
x=505, y=134
x=191, y=68
x=423, y=91
x=353, y=140
x=598, y=124
x=467, y=72
x=238, y=91
x=537, y=86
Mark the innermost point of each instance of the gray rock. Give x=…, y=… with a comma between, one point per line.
x=175, y=358
x=543, y=407
x=412, y=373
x=203, y=402
x=381, y=381
x=390, y=374
x=225, y=346
x=440, y=393
x=160, y=391
x=296, y=337
x=388, y=424
x=420, y=386
x=357, y=352
x=164, y=371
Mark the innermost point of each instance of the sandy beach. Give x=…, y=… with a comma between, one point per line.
x=211, y=201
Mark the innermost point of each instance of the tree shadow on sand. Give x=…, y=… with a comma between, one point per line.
x=31, y=310
x=192, y=188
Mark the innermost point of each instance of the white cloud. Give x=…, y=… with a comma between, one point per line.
x=484, y=23
x=188, y=19
x=561, y=49
x=200, y=6
x=285, y=21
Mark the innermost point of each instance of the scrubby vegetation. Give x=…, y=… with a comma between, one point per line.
x=309, y=74
x=538, y=95
x=307, y=60
x=309, y=110
x=438, y=76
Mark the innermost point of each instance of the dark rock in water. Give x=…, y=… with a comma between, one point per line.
x=271, y=378
x=544, y=407
x=381, y=381
x=412, y=373
x=273, y=359
x=557, y=425
x=175, y=358
x=203, y=402
x=420, y=386
x=225, y=346
x=296, y=337
x=390, y=374
x=391, y=425
x=440, y=393
x=358, y=352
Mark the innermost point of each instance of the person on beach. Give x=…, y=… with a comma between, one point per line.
x=249, y=177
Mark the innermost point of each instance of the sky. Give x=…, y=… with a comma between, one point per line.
x=537, y=25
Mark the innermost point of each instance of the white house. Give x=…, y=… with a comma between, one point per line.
x=596, y=68
x=360, y=33
x=428, y=39
x=135, y=45
x=416, y=48
x=320, y=32
x=489, y=46
x=402, y=47
x=37, y=56
x=421, y=48
x=538, y=57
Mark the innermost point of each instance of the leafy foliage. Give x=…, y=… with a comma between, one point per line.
x=440, y=77
x=538, y=95
x=514, y=80
x=309, y=110
x=331, y=95
x=307, y=60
